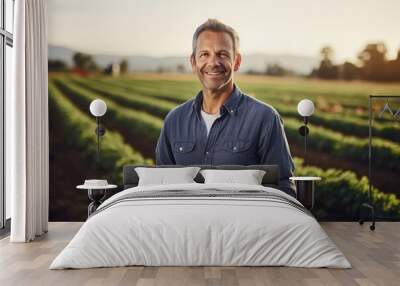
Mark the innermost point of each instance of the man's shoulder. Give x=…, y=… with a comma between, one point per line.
x=180, y=111
x=260, y=108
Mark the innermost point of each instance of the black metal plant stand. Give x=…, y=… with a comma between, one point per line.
x=100, y=131
x=96, y=197
x=370, y=205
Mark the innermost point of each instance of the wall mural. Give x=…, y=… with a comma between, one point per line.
x=141, y=70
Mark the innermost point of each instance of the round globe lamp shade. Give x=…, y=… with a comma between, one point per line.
x=98, y=107
x=305, y=107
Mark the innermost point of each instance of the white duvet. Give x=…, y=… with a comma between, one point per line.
x=186, y=231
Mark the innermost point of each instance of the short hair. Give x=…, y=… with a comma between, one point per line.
x=215, y=26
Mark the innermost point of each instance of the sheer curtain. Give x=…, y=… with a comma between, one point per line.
x=27, y=139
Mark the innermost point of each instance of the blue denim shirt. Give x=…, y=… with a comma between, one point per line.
x=248, y=132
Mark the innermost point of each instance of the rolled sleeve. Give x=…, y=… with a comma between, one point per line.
x=274, y=150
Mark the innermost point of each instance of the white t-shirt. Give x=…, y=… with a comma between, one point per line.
x=209, y=119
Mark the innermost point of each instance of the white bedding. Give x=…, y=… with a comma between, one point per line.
x=181, y=231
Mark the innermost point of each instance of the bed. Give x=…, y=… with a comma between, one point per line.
x=198, y=224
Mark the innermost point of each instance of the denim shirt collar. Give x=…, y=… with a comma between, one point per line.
x=230, y=106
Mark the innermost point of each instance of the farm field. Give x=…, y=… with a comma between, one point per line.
x=138, y=103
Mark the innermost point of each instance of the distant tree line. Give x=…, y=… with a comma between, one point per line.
x=272, y=69
x=85, y=64
x=179, y=68
x=57, y=65
x=373, y=65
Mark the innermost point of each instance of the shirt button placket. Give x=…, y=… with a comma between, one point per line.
x=207, y=157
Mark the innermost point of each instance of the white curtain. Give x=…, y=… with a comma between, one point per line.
x=27, y=139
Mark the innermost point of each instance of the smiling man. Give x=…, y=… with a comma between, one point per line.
x=222, y=125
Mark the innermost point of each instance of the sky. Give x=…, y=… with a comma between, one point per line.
x=165, y=27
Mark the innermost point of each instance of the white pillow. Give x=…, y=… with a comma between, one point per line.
x=248, y=177
x=163, y=176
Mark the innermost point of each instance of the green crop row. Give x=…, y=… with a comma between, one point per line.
x=289, y=92
x=80, y=129
x=354, y=103
x=386, y=155
x=340, y=193
x=175, y=94
x=345, y=124
x=348, y=125
x=351, y=96
x=154, y=106
x=140, y=128
x=293, y=96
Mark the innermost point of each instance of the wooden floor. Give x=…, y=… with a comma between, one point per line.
x=375, y=257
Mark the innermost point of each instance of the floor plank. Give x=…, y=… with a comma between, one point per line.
x=375, y=257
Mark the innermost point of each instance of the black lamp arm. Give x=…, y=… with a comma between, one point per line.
x=100, y=130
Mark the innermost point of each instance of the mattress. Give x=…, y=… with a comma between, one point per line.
x=201, y=225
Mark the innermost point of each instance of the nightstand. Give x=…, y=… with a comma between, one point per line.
x=96, y=195
x=305, y=190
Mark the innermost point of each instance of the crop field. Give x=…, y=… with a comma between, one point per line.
x=138, y=103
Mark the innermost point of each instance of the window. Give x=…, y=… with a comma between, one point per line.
x=9, y=17
x=6, y=44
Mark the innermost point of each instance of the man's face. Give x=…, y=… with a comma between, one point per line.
x=215, y=60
